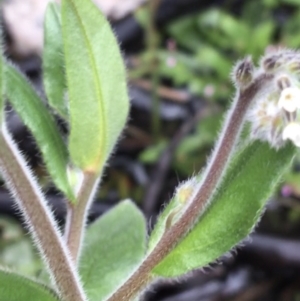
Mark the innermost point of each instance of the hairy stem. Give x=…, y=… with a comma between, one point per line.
x=77, y=214
x=211, y=178
x=39, y=219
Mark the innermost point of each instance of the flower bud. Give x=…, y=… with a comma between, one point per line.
x=181, y=198
x=270, y=63
x=283, y=82
x=275, y=114
x=243, y=73
x=294, y=66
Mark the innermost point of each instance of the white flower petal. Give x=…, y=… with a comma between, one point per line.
x=292, y=132
x=290, y=99
x=271, y=109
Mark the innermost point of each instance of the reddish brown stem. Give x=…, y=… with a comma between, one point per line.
x=203, y=193
x=39, y=219
x=77, y=214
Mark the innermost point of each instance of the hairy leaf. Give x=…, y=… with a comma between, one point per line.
x=14, y=287
x=96, y=84
x=114, y=246
x=53, y=61
x=235, y=209
x=42, y=125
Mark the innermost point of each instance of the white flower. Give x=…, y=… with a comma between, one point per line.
x=267, y=121
x=274, y=115
x=289, y=99
x=271, y=110
x=292, y=132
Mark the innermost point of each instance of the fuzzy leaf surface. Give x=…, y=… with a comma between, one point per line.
x=41, y=123
x=114, y=246
x=98, y=100
x=161, y=224
x=53, y=61
x=235, y=209
x=14, y=287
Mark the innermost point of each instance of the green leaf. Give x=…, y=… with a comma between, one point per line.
x=96, y=83
x=184, y=31
x=53, y=61
x=14, y=287
x=114, y=246
x=161, y=224
x=42, y=125
x=234, y=210
x=151, y=154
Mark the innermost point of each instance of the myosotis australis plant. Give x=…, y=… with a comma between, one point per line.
x=85, y=84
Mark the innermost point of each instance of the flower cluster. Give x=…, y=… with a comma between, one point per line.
x=275, y=115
